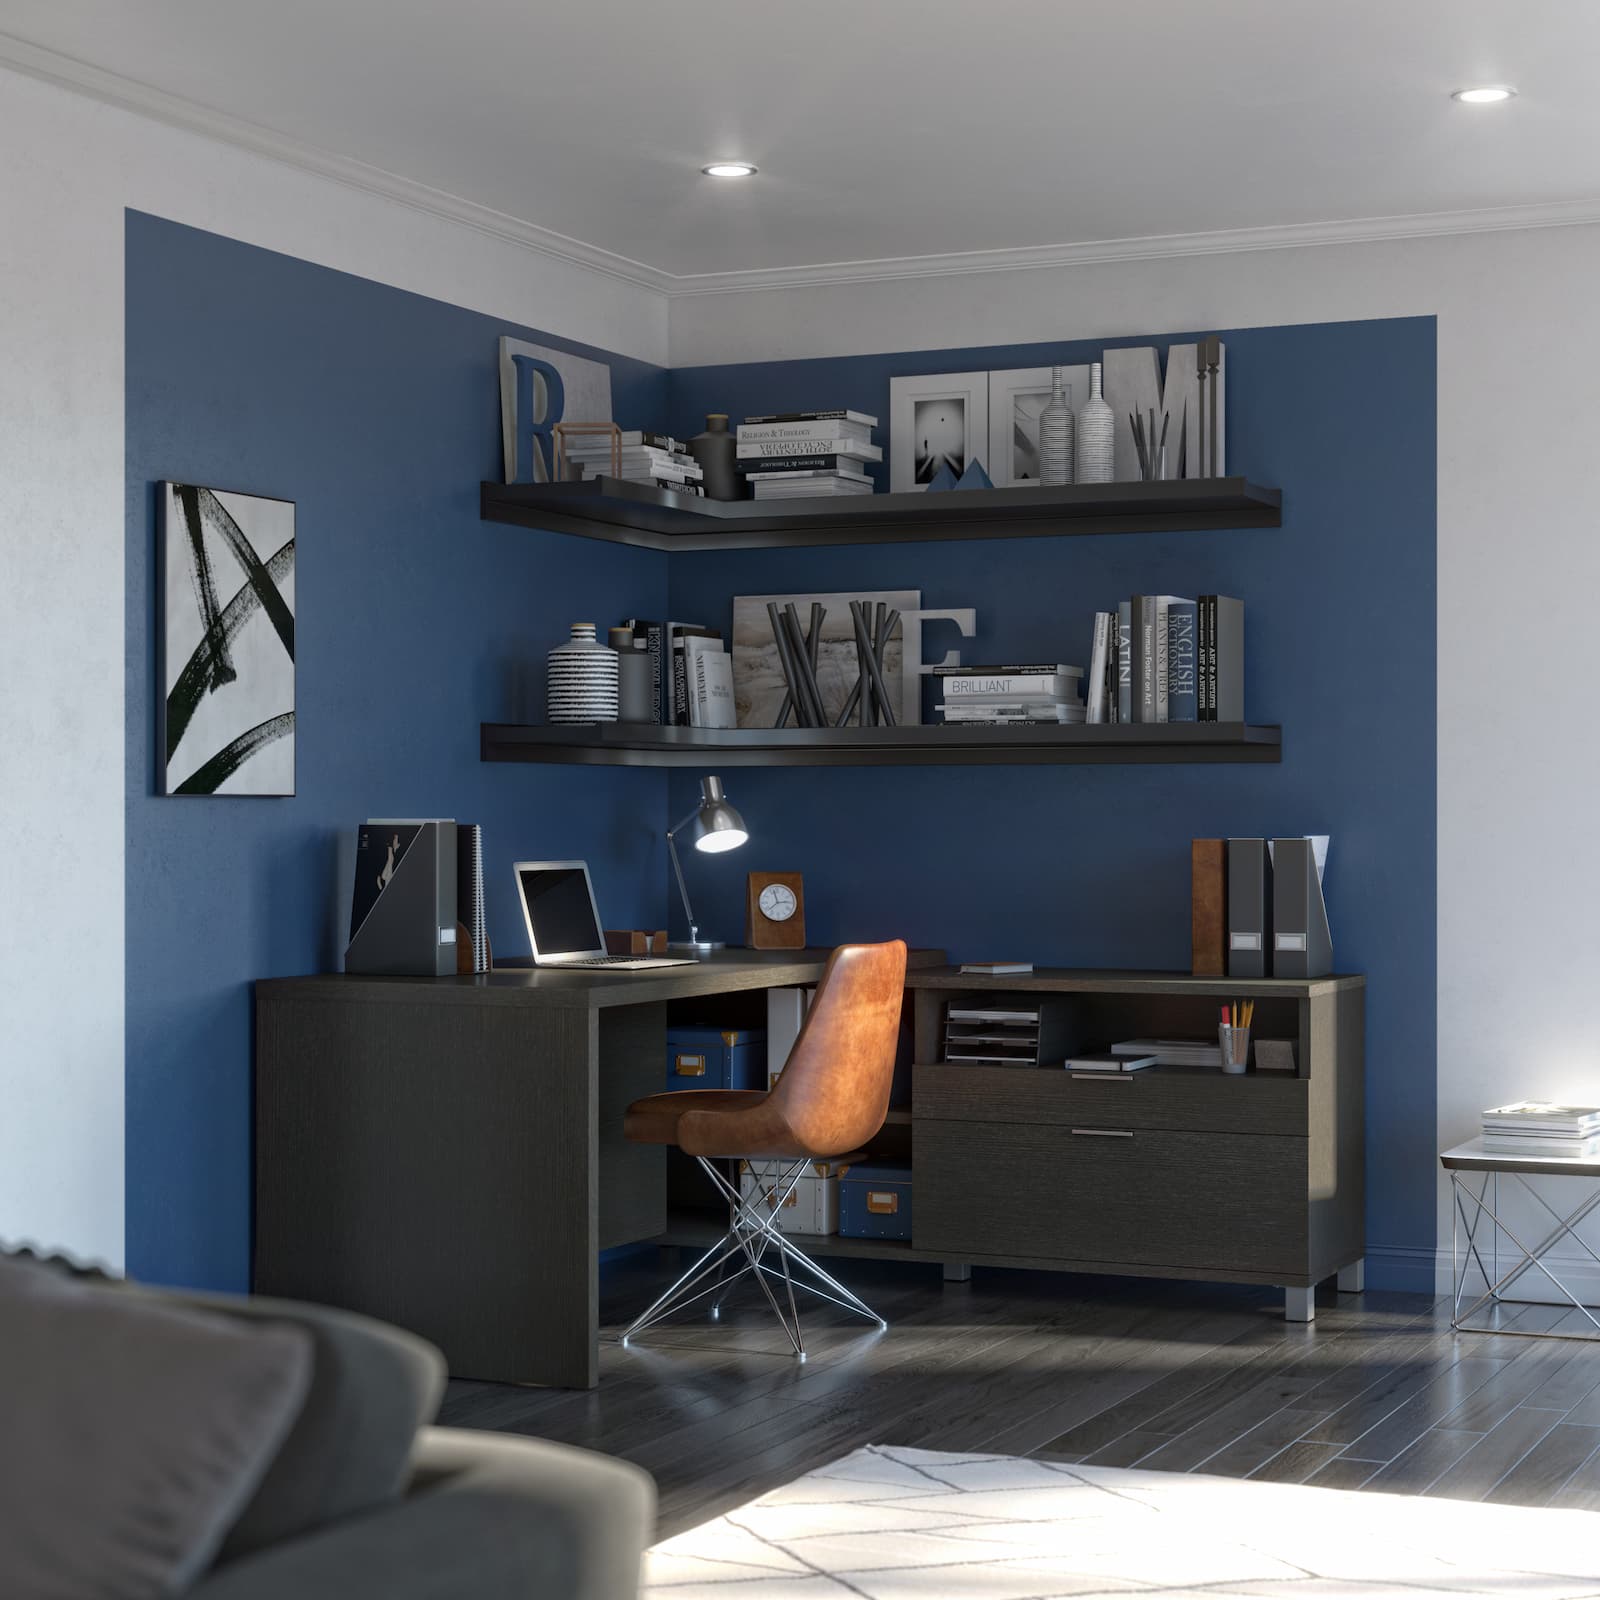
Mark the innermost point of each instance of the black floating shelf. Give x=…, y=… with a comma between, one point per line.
x=618, y=744
x=657, y=519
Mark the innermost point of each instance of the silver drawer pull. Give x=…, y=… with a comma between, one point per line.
x=1104, y=1133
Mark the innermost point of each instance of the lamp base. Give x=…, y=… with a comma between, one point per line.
x=701, y=947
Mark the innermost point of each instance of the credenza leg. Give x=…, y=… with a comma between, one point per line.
x=1299, y=1305
x=958, y=1272
x=1353, y=1279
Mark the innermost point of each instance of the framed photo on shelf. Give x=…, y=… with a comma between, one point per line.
x=1016, y=398
x=936, y=420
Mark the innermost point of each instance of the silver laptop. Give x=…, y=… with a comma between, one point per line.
x=564, y=922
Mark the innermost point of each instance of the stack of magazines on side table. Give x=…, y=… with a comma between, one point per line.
x=1535, y=1129
x=1005, y=696
x=797, y=455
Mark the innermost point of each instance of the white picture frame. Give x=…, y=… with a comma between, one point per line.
x=946, y=411
x=1016, y=397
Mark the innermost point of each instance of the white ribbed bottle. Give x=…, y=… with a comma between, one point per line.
x=1056, y=435
x=1097, y=435
x=581, y=683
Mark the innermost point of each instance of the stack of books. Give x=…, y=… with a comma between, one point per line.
x=691, y=673
x=1162, y=658
x=805, y=454
x=999, y=697
x=1172, y=1052
x=653, y=458
x=1537, y=1129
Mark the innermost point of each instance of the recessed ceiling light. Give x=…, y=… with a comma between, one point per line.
x=1484, y=94
x=729, y=169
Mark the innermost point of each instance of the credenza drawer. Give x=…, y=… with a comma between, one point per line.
x=1142, y=1197
x=1207, y=1101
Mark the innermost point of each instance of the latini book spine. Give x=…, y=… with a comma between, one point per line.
x=1125, y=661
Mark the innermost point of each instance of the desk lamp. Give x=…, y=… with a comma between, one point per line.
x=714, y=826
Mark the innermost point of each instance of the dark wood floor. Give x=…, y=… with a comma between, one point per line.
x=1376, y=1394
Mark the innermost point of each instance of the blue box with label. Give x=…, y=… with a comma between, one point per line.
x=716, y=1058
x=875, y=1200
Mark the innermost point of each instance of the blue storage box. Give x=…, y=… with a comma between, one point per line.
x=875, y=1201
x=716, y=1058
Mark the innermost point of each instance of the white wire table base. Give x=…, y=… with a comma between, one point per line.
x=1467, y=1250
x=750, y=1237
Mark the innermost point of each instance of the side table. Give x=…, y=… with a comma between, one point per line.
x=1475, y=1205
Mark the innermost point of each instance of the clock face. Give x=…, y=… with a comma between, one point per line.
x=777, y=902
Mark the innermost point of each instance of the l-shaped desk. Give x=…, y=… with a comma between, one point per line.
x=447, y=1154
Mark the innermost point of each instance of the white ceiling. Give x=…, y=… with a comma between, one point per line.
x=889, y=128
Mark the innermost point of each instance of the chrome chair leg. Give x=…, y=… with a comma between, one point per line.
x=753, y=1235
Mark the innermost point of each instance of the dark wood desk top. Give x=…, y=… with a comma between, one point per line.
x=724, y=972
x=1095, y=980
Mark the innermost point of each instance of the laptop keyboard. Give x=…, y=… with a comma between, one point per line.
x=631, y=963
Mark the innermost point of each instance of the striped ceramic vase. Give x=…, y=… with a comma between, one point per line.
x=1097, y=435
x=1055, y=435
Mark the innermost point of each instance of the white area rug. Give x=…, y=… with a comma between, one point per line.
x=897, y=1524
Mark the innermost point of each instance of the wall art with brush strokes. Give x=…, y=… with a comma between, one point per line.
x=226, y=653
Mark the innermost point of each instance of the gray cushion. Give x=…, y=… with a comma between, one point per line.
x=349, y=1450
x=133, y=1434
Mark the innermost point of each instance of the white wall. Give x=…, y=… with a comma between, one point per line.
x=71, y=165
x=1519, y=763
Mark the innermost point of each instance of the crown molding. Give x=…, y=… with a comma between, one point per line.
x=1155, y=247
x=127, y=94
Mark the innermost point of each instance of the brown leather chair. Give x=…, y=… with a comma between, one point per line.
x=830, y=1100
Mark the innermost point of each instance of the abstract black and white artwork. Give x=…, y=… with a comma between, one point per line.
x=935, y=421
x=227, y=642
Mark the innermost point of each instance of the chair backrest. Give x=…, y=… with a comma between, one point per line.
x=835, y=1087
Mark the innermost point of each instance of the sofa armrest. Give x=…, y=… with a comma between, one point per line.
x=491, y=1516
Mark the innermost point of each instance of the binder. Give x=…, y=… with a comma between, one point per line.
x=1208, y=908
x=403, y=918
x=472, y=954
x=1301, y=944
x=1249, y=909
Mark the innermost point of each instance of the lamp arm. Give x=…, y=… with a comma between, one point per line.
x=683, y=888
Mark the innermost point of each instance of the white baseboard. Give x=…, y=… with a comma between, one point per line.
x=1429, y=1272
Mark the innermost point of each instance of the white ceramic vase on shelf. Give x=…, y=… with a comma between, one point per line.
x=1055, y=435
x=1097, y=435
x=582, y=679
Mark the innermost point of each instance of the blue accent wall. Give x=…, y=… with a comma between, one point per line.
x=1089, y=866
x=377, y=412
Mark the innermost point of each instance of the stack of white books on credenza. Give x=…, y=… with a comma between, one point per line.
x=1173, y=1052
x=643, y=457
x=1006, y=696
x=1535, y=1128
x=797, y=455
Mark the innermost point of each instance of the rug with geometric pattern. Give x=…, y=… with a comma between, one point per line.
x=896, y=1524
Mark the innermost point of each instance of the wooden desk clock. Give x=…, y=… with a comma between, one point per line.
x=775, y=911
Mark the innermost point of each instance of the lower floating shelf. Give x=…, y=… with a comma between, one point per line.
x=620, y=744
x=702, y=1229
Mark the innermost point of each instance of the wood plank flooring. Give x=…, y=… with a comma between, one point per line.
x=1377, y=1393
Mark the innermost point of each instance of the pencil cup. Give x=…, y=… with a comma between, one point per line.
x=1235, y=1046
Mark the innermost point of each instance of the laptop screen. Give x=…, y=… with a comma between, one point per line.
x=560, y=910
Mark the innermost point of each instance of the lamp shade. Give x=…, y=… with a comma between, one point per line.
x=716, y=826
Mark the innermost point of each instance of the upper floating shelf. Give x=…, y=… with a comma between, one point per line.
x=656, y=519
x=619, y=744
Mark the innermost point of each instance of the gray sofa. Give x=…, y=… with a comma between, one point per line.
x=234, y=1449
